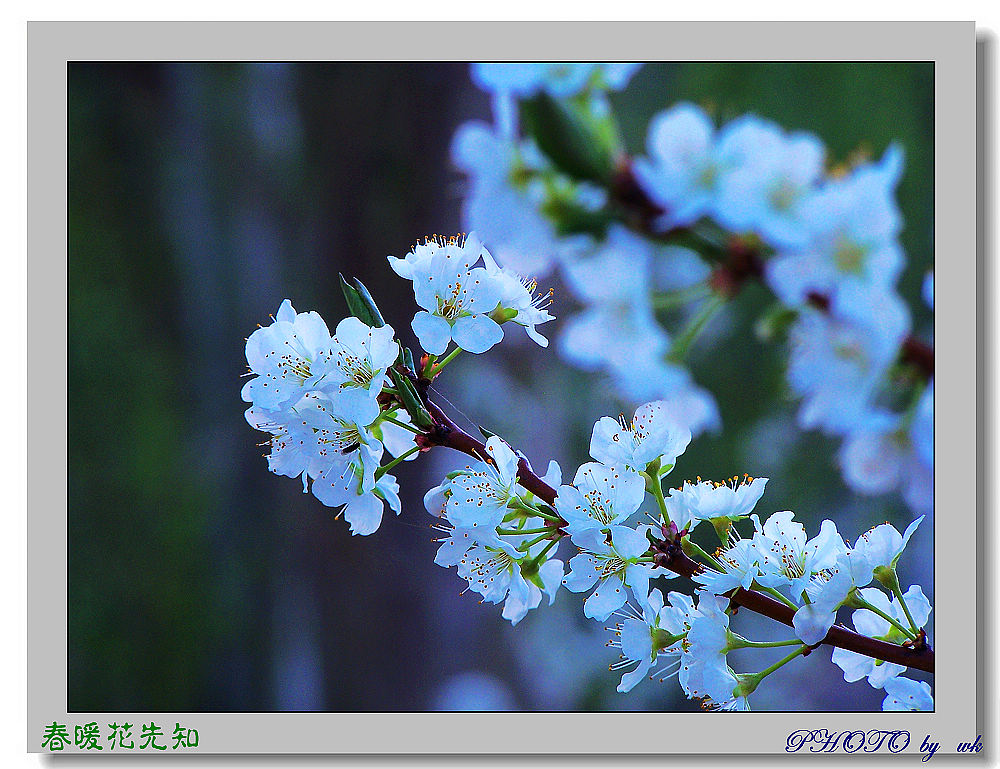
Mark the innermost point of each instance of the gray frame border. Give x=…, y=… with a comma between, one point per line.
x=951, y=45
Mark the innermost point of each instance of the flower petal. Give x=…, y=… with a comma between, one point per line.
x=364, y=514
x=609, y=595
x=476, y=333
x=433, y=332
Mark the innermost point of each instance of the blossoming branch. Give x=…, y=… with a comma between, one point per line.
x=341, y=410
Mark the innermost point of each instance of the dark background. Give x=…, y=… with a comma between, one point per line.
x=201, y=195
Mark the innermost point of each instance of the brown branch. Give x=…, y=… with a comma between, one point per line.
x=920, y=354
x=671, y=556
x=447, y=433
x=668, y=554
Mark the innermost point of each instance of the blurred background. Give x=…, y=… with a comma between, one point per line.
x=201, y=195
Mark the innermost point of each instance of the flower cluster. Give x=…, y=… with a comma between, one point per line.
x=466, y=296
x=333, y=404
x=502, y=538
x=827, y=240
x=650, y=249
x=496, y=533
x=631, y=457
x=316, y=393
x=836, y=260
x=816, y=577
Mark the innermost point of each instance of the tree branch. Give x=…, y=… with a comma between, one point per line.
x=671, y=556
x=668, y=554
x=447, y=433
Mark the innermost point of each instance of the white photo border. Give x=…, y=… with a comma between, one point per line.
x=950, y=45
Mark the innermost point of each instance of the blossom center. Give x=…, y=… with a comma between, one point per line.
x=358, y=369
x=486, y=571
x=849, y=257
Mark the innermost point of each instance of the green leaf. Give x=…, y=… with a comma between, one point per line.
x=411, y=400
x=407, y=357
x=570, y=138
x=571, y=218
x=360, y=303
x=355, y=304
x=486, y=433
x=366, y=297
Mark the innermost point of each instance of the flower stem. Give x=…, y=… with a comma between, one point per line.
x=875, y=610
x=711, y=559
x=544, y=530
x=783, y=661
x=773, y=592
x=538, y=558
x=428, y=366
x=411, y=428
x=906, y=610
x=526, y=545
x=670, y=299
x=519, y=504
x=656, y=489
x=436, y=369
x=386, y=468
x=694, y=328
x=745, y=643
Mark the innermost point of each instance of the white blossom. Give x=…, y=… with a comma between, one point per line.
x=612, y=566
x=651, y=434
x=857, y=666
x=600, y=497
x=906, y=694
x=290, y=357
x=704, y=500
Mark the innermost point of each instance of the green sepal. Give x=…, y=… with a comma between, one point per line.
x=651, y=475
x=747, y=684
x=486, y=433
x=722, y=527
x=886, y=576
x=663, y=639
x=503, y=314
x=547, y=508
x=411, y=401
